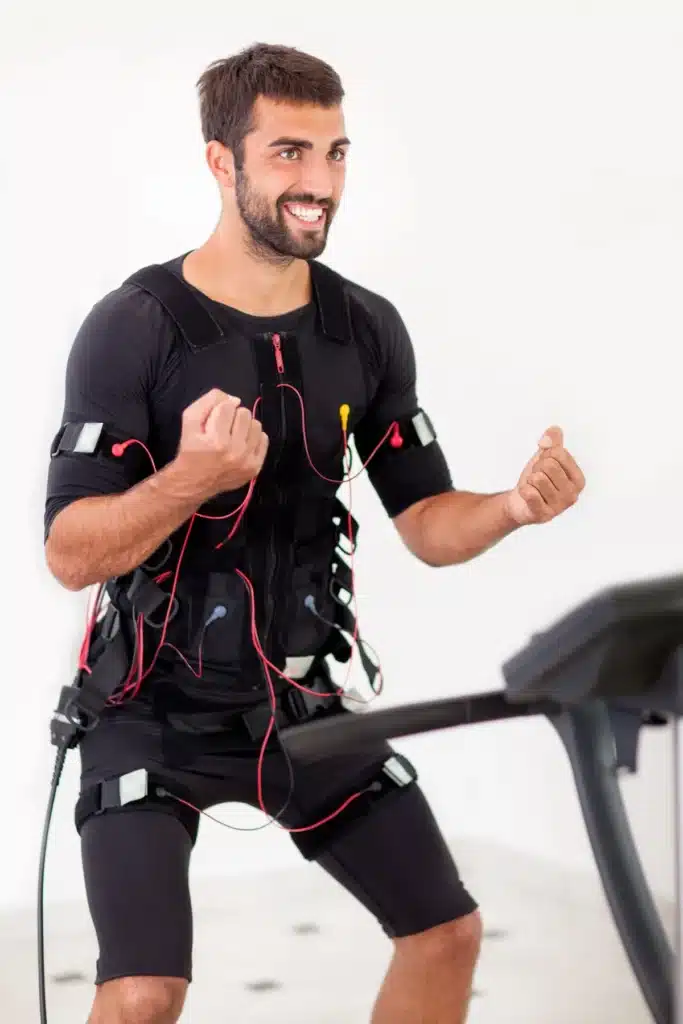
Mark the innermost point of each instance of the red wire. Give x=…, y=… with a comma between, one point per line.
x=132, y=687
x=273, y=700
x=329, y=479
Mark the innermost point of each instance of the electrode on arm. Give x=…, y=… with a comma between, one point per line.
x=106, y=510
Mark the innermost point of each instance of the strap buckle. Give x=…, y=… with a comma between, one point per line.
x=146, y=597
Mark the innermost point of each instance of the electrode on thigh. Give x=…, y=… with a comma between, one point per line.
x=392, y=778
x=139, y=789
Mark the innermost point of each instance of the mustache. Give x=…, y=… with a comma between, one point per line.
x=326, y=204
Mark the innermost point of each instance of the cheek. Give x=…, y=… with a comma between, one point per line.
x=338, y=185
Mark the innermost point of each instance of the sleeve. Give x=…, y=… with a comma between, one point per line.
x=109, y=374
x=418, y=469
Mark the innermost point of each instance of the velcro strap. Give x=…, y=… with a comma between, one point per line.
x=302, y=704
x=293, y=706
x=111, y=663
x=342, y=579
x=146, y=596
x=192, y=318
x=337, y=646
x=138, y=788
x=84, y=439
x=417, y=430
x=340, y=518
x=346, y=620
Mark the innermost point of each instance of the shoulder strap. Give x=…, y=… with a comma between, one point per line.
x=192, y=318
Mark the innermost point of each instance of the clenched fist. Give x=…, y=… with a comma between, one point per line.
x=222, y=446
x=550, y=482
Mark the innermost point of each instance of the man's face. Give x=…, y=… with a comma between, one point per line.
x=292, y=178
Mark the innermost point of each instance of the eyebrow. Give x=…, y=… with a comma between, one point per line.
x=285, y=140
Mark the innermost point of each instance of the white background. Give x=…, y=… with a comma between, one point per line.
x=515, y=188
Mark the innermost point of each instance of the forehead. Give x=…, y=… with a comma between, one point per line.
x=279, y=118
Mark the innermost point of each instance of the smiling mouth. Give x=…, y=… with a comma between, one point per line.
x=308, y=214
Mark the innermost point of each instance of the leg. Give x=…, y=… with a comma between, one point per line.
x=136, y=863
x=430, y=977
x=139, y=1001
x=395, y=861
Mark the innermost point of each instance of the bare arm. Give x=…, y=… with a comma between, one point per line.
x=450, y=528
x=455, y=527
x=222, y=447
x=96, y=538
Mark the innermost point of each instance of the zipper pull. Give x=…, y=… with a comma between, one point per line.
x=279, y=361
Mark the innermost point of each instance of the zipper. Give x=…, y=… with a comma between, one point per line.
x=279, y=361
x=280, y=364
x=271, y=575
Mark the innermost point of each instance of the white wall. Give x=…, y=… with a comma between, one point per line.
x=515, y=188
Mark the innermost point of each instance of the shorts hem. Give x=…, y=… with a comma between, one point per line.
x=115, y=975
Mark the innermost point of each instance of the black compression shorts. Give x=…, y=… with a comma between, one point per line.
x=394, y=859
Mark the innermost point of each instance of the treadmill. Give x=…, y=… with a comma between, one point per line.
x=602, y=673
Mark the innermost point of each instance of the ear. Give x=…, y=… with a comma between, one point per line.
x=221, y=164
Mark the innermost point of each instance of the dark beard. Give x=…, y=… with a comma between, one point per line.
x=269, y=236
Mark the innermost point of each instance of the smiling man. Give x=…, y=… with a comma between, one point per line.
x=208, y=403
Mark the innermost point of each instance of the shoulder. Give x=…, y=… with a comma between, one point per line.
x=127, y=330
x=377, y=326
x=127, y=307
x=375, y=308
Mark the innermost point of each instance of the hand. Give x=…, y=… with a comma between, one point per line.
x=222, y=446
x=550, y=482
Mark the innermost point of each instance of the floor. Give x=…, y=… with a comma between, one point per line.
x=290, y=948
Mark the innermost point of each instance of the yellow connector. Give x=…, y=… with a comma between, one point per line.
x=344, y=411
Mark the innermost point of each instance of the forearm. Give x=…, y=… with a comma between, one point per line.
x=457, y=526
x=96, y=538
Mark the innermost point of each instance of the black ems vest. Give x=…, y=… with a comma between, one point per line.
x=293, y=541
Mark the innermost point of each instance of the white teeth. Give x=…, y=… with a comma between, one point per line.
x=306, y=213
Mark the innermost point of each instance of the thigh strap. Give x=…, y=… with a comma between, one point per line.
x=136, y=790
x=393, y=777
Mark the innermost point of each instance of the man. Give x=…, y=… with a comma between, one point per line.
x=242, y=421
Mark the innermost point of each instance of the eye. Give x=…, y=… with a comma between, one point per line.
x=283, y=153
x=338, y=153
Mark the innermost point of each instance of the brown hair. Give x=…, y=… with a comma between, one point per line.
x=229, y=88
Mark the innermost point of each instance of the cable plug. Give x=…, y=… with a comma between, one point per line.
x=219, y=612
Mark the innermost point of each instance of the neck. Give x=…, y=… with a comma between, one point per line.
x=228, y=270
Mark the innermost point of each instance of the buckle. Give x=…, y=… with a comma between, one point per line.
x=336, y=587
x=160, y=624
x=167, y=548
x=296, y=704
x=146, y=597
x=110, y=623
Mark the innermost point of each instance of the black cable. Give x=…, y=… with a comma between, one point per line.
x=56, y=776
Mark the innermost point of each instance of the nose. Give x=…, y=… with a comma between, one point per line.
x=317, y=178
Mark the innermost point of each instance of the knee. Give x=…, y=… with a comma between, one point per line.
x=453, y=944
x=142, y=1000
